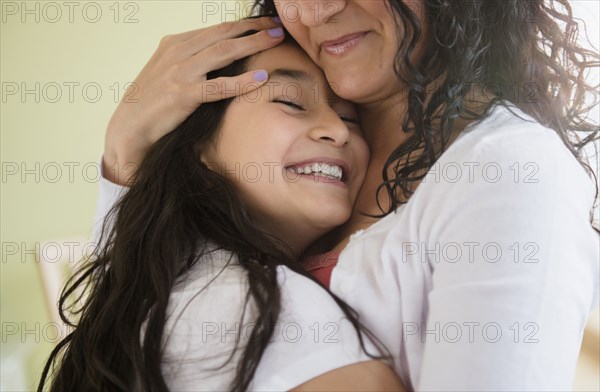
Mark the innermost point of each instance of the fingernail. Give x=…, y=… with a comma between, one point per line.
x=276, y=32
x=277, y=19
x=260, y=76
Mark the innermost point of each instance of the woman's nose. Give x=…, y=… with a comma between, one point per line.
x=331, y=129
x=317, y=12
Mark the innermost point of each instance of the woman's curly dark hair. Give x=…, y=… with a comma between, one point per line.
x=524, y=52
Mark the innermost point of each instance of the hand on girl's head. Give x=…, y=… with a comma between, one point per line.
x=175, y=82
x=293, y=149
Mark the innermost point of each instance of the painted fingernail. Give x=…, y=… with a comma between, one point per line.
x=277, y=19
x=260, y=76
x=276, y=32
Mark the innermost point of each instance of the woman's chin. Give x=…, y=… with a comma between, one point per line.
x=357, y=86
x=344, y=85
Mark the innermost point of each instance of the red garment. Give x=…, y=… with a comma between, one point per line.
x=320, y=266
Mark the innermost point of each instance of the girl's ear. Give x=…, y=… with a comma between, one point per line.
x=204, y=158
x=205, y=151
x=208, y=157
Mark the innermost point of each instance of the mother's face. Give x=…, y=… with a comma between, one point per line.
x=353, y=41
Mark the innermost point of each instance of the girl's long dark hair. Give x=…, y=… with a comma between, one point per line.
x=161, y=227
x=520, y=51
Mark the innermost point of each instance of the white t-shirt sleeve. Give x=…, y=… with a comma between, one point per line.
x=310, y=338
x=313, y=337
x=520, y=266
x=108, y=194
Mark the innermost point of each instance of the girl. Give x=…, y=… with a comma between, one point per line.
x=470, y=251
x=196, y=286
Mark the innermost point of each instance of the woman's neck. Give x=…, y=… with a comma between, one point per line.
x=381, y=123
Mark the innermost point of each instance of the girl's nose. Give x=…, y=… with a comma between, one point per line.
x=330, y=129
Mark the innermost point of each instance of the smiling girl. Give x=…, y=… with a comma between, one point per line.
x=197, y=286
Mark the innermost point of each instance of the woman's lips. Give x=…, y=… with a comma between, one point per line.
x=343, y=45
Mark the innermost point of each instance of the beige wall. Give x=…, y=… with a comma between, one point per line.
x=56, y=136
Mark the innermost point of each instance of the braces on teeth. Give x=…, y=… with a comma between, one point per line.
x=323, y=169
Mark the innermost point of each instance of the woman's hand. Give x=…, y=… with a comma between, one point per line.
x=174, y=83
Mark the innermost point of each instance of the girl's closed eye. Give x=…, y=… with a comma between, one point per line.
x=349, y=119
x=297, y=106
x=291, y=104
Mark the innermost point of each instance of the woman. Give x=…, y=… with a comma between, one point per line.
x=484, y=274
x=198, y=286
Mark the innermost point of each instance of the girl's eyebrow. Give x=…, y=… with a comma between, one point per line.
x=295, y=74
x=301, y=77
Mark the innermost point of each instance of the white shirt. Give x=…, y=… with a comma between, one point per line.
x=205, y=322
x=485, y=278
x=204, y=317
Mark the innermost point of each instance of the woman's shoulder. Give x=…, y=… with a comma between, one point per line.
x=511, y=149
x=506, y=168
x=508, y=133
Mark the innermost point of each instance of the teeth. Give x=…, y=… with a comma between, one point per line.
x=320, y=170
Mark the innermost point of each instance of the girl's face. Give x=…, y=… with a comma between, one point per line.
x=353, y=41
x=293, y=149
